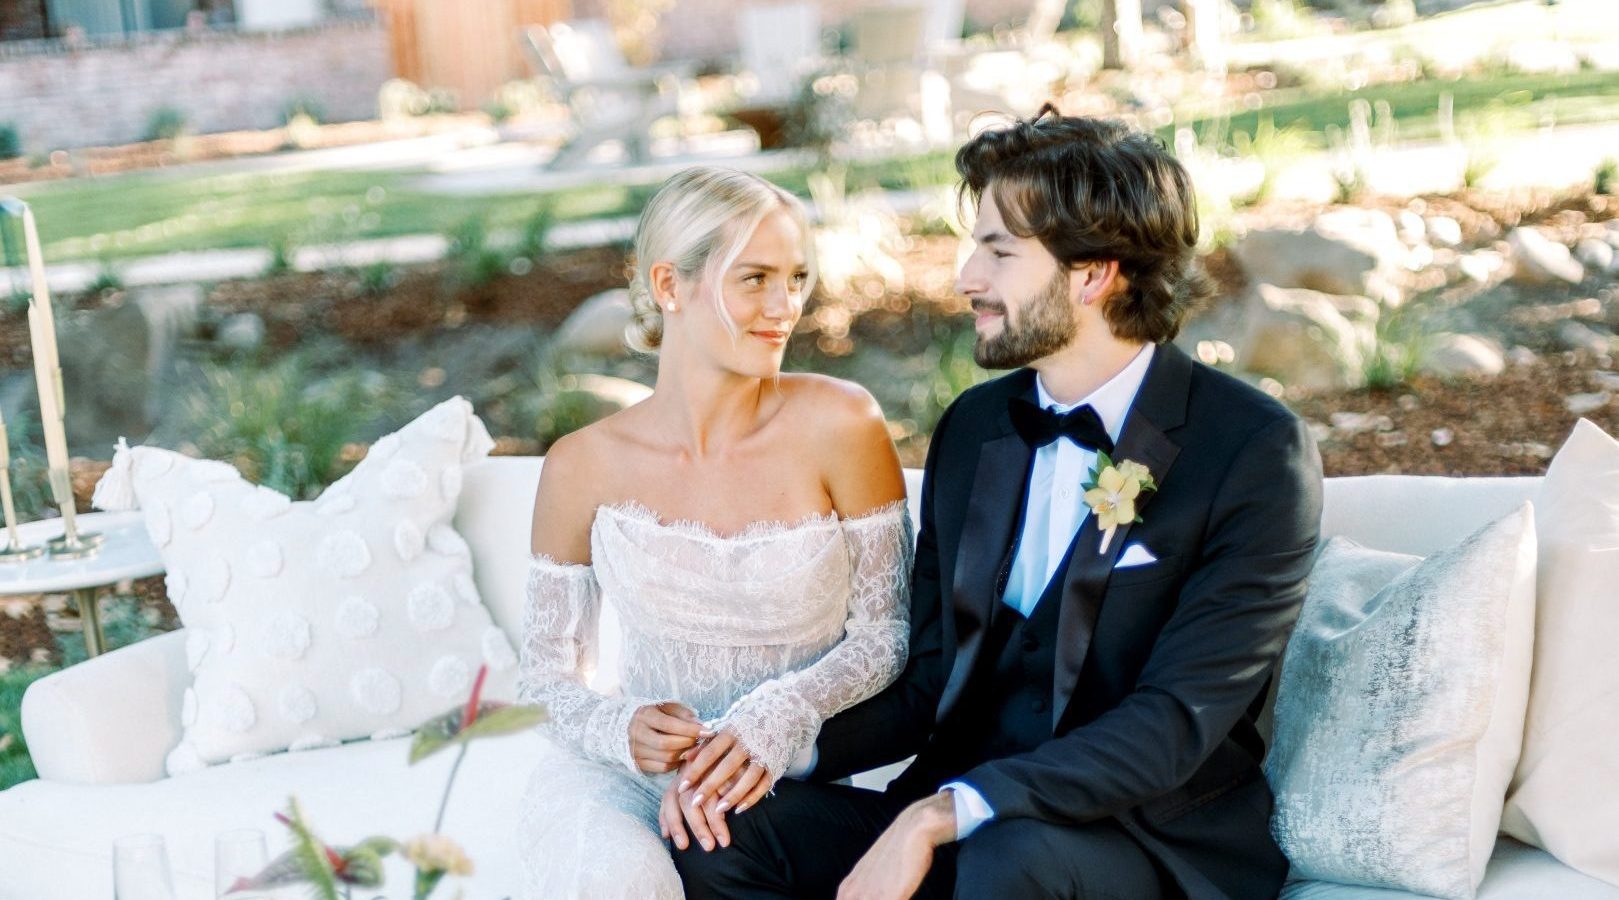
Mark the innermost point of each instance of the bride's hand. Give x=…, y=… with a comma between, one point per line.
x=661, y=734
x=678, y=809
x=725, y=775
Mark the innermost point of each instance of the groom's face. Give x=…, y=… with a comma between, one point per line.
x=1020, y=294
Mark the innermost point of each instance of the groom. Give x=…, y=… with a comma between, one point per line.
x=1088, y=653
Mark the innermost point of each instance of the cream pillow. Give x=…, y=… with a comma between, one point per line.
x=310, y=623
x=1400, y=709
x=1565, y=795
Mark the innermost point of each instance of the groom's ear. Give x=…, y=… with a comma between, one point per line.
x=1092, y=283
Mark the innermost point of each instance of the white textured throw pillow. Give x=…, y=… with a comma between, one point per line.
x=1565, y=795
x=310, y=623
x=1400, y=710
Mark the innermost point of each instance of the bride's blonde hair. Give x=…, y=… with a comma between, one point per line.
x=699, y=220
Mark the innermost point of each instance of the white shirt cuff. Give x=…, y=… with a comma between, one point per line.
x=972, y=810
x=802, y=763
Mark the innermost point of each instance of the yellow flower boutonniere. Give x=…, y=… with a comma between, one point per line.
x=1112, y=491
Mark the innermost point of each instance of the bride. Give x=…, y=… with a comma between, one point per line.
x=748, y=525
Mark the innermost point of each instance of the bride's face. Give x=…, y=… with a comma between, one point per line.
x=762, y=292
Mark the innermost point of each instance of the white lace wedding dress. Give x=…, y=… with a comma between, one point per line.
x=766, y=632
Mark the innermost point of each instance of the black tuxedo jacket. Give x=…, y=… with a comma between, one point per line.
x=1160, y=669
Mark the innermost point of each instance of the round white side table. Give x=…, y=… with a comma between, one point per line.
x=126, y=553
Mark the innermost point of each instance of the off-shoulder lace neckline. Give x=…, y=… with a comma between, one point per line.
x=753, y=531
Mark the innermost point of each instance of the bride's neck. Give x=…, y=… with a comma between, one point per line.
x=705, y=408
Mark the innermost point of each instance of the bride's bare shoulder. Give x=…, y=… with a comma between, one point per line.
x=832, y=401
x=846, y=428
x=578, y=468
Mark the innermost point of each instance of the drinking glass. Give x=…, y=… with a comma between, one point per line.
x=238, y=854
x=140, y=868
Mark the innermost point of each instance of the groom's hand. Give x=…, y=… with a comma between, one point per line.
x=661, y=734
x=894, y=866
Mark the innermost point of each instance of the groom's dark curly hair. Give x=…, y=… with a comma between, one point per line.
x=1092, y=190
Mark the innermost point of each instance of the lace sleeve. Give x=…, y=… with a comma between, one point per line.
x=783, y=715
x=560, y=622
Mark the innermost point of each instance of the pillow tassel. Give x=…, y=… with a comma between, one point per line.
x=115, y=492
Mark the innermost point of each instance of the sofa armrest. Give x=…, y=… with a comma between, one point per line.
x=111, y=719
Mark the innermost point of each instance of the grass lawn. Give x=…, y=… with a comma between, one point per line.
x=161, y=212
x=1514, y=102
x=15, y=766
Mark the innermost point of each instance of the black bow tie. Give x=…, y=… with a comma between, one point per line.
x=1039, y=427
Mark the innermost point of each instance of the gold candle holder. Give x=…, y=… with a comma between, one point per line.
x=71, y=544
x=14, y=551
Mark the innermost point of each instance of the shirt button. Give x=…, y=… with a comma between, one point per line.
x=1040, y=705
x=1065, y=493
x=1030, y=645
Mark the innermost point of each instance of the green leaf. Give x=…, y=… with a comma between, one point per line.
x=1103, y=461
x=362, y=866
x=494, y=720
x=310, y=853
x=506, y=720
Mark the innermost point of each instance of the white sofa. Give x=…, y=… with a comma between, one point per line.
x=99, y=731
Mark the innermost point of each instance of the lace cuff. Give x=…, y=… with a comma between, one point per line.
x=560, y=622
x=782, y=716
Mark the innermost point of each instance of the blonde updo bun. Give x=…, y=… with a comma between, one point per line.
x=699, y=220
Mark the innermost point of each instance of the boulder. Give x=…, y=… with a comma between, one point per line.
x=1444, y=231
x=116, y=360
x=242, y=332
x=1346, y=251
x=1537, y=259
x=596, y=327
x=1302, y=338
x=1450, y=355
x=1580, y=336
x=1595, y=254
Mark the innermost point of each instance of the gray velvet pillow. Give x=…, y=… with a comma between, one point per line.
x=1400, y=711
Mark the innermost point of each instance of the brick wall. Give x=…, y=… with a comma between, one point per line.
x=220, y=80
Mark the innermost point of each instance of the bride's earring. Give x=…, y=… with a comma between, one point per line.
x=672, y=307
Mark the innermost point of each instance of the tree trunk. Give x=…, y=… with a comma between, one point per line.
x=1121, y=33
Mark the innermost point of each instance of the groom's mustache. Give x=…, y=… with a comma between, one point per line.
x=988, y=306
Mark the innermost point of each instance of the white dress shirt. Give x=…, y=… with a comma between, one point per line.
x=1054, y=510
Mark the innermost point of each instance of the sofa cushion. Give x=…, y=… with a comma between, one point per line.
x=1400, y=711
x=56, y=839
x=1565, y=796
x=309, y=623
x=1516, y=872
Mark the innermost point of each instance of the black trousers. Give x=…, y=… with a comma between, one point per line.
x=803, y=841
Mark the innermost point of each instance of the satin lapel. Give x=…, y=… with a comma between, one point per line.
x=1162, y=399
x=986, y=533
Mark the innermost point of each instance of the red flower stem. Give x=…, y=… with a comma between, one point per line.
x=444, y=804
x=471, y=713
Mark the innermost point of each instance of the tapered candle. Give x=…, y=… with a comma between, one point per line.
x=5, y=485
x=47, y=363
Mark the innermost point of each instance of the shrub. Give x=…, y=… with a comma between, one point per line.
x=281, y=249
x=107, y=279
x=166, y=124
x=10, y=141
x=1606, y=178
x=282, y=425
x=474, y=261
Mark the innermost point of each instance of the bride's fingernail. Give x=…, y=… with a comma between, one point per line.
x=684, y=785
x=722, y=807
x=696, y=800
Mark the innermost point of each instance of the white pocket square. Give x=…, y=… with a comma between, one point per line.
x=1135, y=555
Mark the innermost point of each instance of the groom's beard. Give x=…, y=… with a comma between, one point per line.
x=1045, y=324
